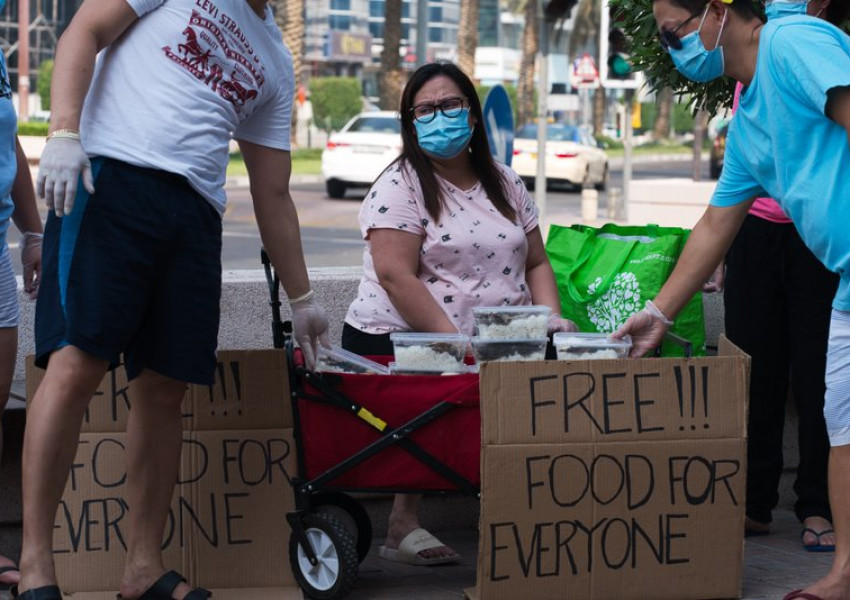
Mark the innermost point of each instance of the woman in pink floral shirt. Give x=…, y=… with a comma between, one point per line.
x=446, y=229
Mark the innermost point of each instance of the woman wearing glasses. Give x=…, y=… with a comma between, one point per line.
x=788, y=140
x=446, y=229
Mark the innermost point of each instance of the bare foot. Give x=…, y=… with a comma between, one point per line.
x=831, y=587
x=10, y=575
x=817, y=525
x=135, y=584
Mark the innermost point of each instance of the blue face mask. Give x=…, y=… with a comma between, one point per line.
x=776, y=9
x=694, y=61
x=444, y=137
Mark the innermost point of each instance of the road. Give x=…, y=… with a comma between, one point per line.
x=329, y=228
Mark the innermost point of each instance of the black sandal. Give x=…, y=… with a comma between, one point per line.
x=163, y=588
x=47, y=592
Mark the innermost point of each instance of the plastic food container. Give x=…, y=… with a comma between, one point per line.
x=397, y=370
x=581, y=346
x=337, y=360
x=511, y=322
x=490, y=350
x=442, y=352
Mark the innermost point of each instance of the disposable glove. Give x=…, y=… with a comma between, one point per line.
x=309, y=326
x=31, y=262
x=557, y=324
x=62, y=162
x=646, y=327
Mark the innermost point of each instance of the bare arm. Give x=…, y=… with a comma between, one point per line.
x=277, y=219
x=396, y=257
x=705, y=249
x=539, y=274
x=28, y=222
x=25, y=216
x=95, y=25
x=269, y=170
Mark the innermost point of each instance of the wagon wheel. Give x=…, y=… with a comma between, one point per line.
x=335, y=573
x=350, y=513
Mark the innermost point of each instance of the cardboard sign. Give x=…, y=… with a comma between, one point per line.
x=251, y=392
x=614, y=478
x=227, y=524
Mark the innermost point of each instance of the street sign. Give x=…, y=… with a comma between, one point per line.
x=584, y=73
x=499, y=124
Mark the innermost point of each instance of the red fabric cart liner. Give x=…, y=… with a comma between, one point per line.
x=330, y=434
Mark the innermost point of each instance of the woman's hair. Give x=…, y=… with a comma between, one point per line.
x=744, y=8
x=837, y=11
x=482, y=161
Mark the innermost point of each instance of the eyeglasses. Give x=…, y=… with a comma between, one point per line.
x=668, y=37
x=451, y=107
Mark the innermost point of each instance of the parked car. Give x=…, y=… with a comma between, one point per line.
x=718, y=149
x=360, y=151
x=572, y=156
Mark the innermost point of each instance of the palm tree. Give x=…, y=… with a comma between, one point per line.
x=530, y=46
x=289, y=17
x=390, y=82
x=467, y=36
x=661, y=130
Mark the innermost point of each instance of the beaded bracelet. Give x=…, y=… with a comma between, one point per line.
x=302, y=298
x=72, y=134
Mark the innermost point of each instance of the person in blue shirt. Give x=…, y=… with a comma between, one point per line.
x=17, y=204
x=789, y=140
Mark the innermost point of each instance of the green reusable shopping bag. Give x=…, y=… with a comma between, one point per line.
x=607, y=274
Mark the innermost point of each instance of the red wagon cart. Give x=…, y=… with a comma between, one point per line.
x=367, y=433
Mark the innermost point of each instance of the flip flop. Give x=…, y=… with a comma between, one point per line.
x=163, y=588
x=413, y=543
x=8, y=569
x=47, y=592
x=817, y=547
x=802, y=595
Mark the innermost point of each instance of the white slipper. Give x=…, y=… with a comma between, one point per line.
x=413, y=543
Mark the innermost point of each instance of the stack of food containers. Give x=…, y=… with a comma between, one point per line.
x=510, y=333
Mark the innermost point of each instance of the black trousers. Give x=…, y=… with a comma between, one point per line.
x=777, y=301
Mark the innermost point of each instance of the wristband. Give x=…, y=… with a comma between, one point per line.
x=656, y=312
x=72, y=134
x=302, y=298
x=32, y=235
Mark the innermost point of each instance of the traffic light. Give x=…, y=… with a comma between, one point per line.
x=617, y=71
x=555, y=10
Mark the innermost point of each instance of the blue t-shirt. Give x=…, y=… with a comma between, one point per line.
x=8, y=162
x=781, y=144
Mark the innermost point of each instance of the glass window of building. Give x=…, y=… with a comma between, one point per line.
x=339, y=22
x=340, y=4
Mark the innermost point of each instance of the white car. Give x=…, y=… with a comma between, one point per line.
x=572, y=155
x=360, y=151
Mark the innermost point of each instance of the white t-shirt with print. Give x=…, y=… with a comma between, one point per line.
x=473, y=257
x=182, y=80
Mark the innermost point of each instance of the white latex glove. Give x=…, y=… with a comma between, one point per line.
x=646, y=327
x=62, y=162
x=558, y=324
x=31, y=262
x=309, y=327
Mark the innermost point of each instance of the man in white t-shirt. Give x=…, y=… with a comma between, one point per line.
x=132, y=256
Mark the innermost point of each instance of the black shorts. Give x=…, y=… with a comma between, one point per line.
x=135, y=268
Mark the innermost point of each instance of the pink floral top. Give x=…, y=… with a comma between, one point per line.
x=473, y=257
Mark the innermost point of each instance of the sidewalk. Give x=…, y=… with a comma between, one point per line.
x=773, y=566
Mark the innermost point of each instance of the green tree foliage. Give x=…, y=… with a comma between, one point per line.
x=335, y=100
x=42, y=84
x=635, y=18
x=682, y=117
